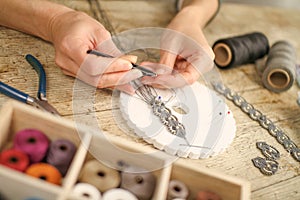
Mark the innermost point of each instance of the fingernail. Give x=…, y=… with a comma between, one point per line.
x=131, y=58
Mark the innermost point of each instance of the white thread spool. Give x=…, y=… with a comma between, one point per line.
x=118, y=194
x=177, y=189
x=87, y=190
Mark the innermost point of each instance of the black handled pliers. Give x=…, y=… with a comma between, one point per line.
x=40, y=101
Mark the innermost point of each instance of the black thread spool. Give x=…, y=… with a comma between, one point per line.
x=239, y=50
x=280, y=68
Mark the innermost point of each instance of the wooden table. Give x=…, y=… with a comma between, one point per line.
x=233, y=19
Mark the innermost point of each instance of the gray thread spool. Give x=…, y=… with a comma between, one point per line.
x=139, y=182
x=280, y=69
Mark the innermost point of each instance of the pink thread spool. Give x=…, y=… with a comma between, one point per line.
x=60, y=154
x=14, y=159
x=32, y=142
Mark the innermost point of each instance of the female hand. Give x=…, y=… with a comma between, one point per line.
x=73, y=33
x=185, y=53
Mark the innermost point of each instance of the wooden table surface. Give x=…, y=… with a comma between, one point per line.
x=275, y=23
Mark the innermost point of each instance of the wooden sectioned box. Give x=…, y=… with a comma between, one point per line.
x=15, y=116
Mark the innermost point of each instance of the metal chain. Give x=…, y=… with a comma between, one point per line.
x=148, y=94
x=256, y=115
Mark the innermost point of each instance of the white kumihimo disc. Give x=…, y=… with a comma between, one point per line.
x=209, y=124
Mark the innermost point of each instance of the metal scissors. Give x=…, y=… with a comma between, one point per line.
x=40, y=101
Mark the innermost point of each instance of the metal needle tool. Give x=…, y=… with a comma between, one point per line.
x=146, y=72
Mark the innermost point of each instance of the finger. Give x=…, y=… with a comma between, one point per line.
x=66, y=64
x=127, y=88
x=167, y=61
x=201, y=62
x=174, y=80
x=96, y=65
x=109, y=79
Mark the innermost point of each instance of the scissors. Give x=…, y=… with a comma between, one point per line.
x=40, y=101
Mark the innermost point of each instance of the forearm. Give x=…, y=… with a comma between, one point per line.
x=199, y=11
x=30, y=16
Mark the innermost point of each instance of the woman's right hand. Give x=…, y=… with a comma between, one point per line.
x=73, y=33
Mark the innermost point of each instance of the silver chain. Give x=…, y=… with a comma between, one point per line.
x=256, y=115
x=148, y=94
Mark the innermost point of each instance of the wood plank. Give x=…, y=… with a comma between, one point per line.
x=232, y=20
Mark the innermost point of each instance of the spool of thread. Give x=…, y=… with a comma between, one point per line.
x=99, y=175
x=177, y=189
x=45, y=172
x=206, y=195
x=139, y=182
x=118, y=194
x=280, y=69
x=298, y=74
x=14, y=159
x=32, y=142
x=60, y=154
x=2, y=197
x=239, y=50
x=87, y=190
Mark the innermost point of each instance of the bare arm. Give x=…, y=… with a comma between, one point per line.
x=72, y=34
x=202, y=11
x=30, y=16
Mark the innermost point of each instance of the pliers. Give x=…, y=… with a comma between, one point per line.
x=40, y=101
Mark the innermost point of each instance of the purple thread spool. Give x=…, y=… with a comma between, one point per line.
x=32, y=142
x=60, y=155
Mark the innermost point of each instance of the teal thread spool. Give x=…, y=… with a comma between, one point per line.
x=280, y=68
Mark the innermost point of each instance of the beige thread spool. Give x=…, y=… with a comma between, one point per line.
x=99, y=175
x=280, y=69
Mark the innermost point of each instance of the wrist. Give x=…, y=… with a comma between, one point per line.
x=56, y=21
x=203, y=11
x=192, y=15
x=52, y=21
